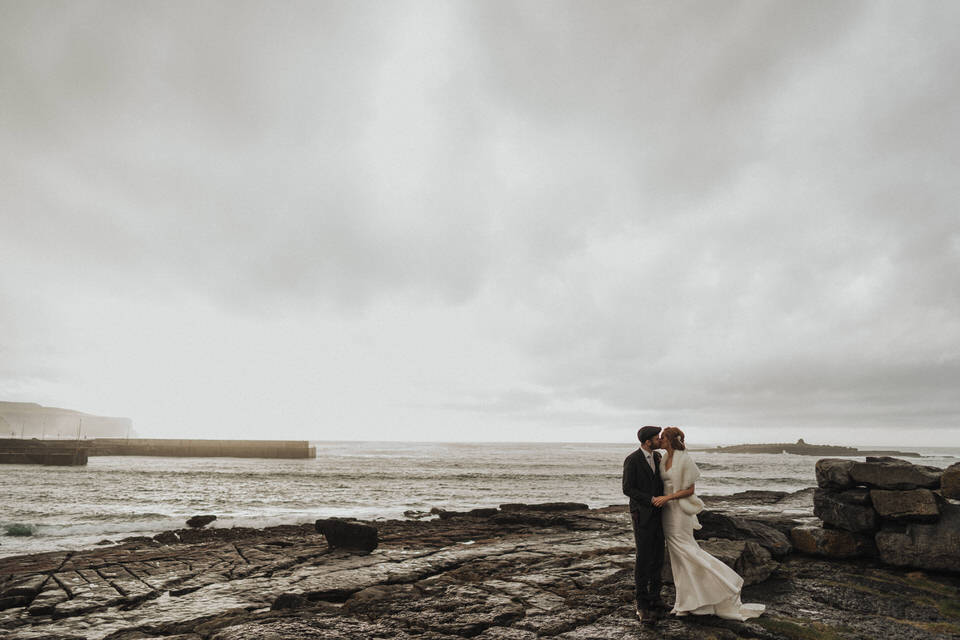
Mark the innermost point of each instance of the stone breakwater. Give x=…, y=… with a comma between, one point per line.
x=514, y=573
x=902, y=513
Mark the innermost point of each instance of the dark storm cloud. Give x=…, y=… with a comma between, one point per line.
x=712, y=212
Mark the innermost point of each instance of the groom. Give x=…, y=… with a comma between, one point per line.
x=642, y=482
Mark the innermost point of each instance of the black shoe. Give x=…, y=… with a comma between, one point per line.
x=647, y=617
x=659, y=605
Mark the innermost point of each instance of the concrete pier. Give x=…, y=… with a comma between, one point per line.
x=292, y=449
x=48, y=452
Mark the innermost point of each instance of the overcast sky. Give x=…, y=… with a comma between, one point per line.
x=484, y=220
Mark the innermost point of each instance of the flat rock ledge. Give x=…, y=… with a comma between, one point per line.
x=552, y=573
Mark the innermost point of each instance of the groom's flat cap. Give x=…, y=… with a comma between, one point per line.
x=647, y=432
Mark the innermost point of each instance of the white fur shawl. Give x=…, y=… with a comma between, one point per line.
x=688, y=474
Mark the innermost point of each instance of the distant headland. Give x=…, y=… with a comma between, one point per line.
x=31, y=420
x=801, y=448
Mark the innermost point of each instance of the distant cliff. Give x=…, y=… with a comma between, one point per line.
x=31, y=420
x=801, y=448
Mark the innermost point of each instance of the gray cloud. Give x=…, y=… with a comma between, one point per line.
x=713, y=213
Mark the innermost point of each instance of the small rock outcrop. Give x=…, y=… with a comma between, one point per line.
x=750, y=560
x=887, y=507
x=348, y=534
x=198, y=522
x=719, y=525
x=167, y=537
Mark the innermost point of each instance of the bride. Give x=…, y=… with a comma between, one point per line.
x=705, y=586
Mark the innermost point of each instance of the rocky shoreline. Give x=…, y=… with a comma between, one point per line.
x=511, y=573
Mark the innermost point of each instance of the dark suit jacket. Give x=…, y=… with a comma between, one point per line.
x=642, y=484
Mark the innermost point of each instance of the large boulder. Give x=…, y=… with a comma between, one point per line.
x=718, y=525
x=934, y=546
x=348, y=534
x=751, y=561
x=918, y=505
x=831, y=543
x=950, y=482
x=894, y=473
x=845, y=510
x=834, y=473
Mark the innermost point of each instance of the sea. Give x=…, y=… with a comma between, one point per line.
x=56, y=508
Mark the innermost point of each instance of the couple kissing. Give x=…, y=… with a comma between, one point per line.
x=664, y=508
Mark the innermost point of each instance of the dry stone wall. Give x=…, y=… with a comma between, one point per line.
x=905, y=514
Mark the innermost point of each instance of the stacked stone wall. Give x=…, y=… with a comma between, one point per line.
x=903, y=513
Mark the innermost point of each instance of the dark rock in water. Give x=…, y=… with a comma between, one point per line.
x=348, y=534
x=918, y=505
x=834, y=473
x=747, y=558
x=545, y=506
x=289, y=601
x=893, y=473
x=198, y=522
x=950, y=482
x=104, y=542
x=757, y=496
x=167, y=537
x=842, y=511
x=19, y=529
x=718, y=525
x=933, y=546
x=832, y=543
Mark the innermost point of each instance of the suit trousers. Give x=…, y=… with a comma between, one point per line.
x=648, y=537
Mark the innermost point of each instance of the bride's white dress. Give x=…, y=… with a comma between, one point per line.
x=705, y=586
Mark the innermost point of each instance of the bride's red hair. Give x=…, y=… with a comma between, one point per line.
x=675, y=436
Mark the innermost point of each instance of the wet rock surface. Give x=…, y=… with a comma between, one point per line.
x=929, y=546
x=894, y=473
x=834, y=473
x=832, y=543
x=918, y=505
x=464, y=576
x=843, y=511
x=719, y=525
